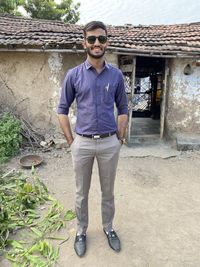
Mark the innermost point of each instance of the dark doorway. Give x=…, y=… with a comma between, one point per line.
x=148, y=87
x=144, y=84
x=147, y=99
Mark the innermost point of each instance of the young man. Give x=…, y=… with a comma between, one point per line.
x=96, y=86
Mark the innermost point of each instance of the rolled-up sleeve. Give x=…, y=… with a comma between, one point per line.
x=67, y=94
x=120, y=97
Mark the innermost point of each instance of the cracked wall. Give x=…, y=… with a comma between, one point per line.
x=30, y=83
x=183, y=108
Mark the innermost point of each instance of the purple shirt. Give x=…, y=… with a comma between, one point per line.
x=95, y=95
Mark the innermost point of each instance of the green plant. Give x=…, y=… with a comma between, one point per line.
x=20, y=199
x=10, y=137
x=65, y=10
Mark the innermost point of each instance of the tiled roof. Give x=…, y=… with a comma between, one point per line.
x=180, y=39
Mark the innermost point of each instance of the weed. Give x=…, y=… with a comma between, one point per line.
x=10, y=137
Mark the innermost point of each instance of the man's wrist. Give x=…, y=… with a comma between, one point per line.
x=70, y=142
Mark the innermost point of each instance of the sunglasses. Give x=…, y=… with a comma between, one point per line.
x=101, y=38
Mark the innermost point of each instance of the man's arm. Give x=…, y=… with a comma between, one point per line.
x=122, y=106
x=65, y=125
x=66, y=99
x=122, y=124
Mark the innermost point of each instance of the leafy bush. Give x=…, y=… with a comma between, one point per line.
x=10, y=137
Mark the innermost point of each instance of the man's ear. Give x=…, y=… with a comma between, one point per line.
x=83, y=43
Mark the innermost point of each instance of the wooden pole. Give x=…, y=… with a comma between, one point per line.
x=130, y=104
x=164, y=95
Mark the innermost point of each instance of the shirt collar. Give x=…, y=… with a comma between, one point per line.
x=88, y=65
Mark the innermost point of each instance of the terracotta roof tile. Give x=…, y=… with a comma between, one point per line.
x=24, y=32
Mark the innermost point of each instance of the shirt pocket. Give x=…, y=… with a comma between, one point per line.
x=108, y=94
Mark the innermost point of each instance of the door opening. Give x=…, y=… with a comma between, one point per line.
x=145, y=96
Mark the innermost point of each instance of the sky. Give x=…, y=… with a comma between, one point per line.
x=144, y=12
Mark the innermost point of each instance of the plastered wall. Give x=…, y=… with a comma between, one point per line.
x=30, y=83
x=183, y=98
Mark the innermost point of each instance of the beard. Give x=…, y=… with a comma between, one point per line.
x=89, y=52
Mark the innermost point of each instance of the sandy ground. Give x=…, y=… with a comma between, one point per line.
x=157, y=208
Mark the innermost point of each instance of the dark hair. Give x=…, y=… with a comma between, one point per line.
x=93, y=25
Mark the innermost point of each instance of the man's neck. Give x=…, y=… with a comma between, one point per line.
x=97, y=63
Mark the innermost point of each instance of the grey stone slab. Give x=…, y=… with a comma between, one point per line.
x=158, y=150
x=188, y=142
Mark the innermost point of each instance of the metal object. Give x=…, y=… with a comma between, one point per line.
x=30, y=160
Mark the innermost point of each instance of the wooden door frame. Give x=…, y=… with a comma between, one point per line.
x=164, y=99
x=163, y=104
x=130, y=104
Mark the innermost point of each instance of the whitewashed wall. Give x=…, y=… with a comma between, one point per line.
x=183, y=108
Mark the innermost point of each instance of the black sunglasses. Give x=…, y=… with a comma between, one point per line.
x=92, y=39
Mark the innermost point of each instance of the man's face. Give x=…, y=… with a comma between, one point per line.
x=95, y=47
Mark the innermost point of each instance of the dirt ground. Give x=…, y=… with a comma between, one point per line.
x=157, y=208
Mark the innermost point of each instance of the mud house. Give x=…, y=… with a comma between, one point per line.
x=160, y=63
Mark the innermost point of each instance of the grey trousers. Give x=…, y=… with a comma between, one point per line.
x=84, y=151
